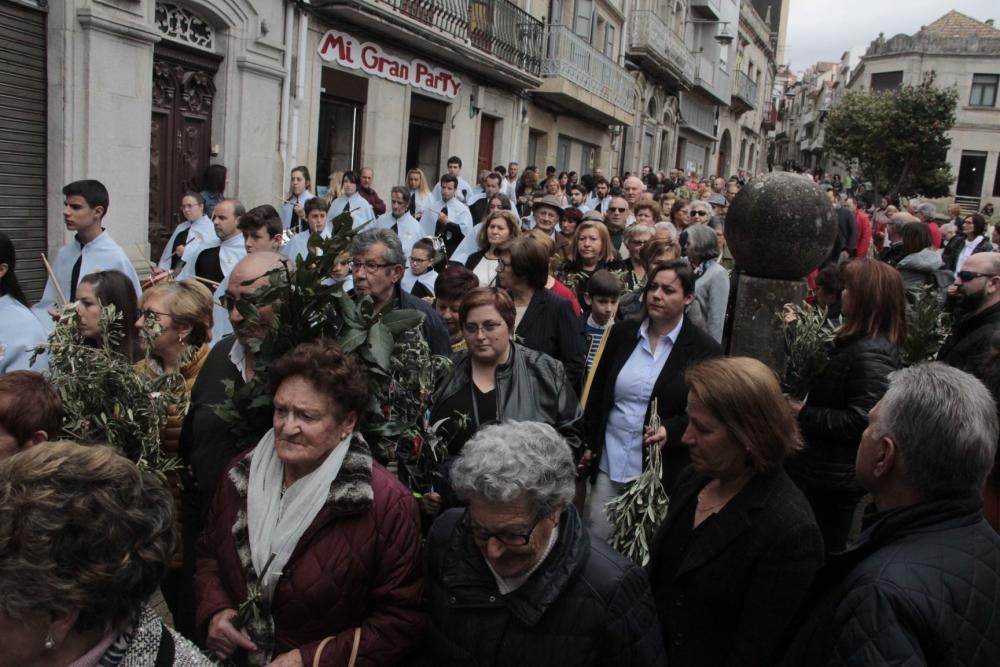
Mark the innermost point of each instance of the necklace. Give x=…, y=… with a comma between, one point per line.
x=709, y=508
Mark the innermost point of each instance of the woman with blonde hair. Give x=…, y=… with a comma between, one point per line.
x=175, y=328
x=421, y=196
x=333, y=190
x=592, y=251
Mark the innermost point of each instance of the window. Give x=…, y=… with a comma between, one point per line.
x=984, y=90
x=609, y=41
x=583, y=23
x=887, y=80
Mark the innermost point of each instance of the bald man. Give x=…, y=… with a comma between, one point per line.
x=207, y=441
x=632, y=188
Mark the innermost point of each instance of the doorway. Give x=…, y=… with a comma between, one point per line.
x=423, y=142
x=341, y=125
x=487, y=135
x=180, y=134
x=970, y=174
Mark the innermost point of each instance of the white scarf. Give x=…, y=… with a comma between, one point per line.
x=276, y=520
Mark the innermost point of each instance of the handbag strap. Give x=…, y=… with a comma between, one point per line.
x=354, y=649
x=319, y=651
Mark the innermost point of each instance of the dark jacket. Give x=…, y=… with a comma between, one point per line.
x=735, y=588
x=847, y=233
x=531, y=386
x=434, y=329
x=357, y=564
x=921, y=586
x=968, y=346
x=953, y=249
x=584, y=606
x=693, y=345
x=370, y=196
x=549, y=325
x=836, y=411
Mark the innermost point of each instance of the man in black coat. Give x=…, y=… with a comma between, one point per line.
x=977, y=313
x=921, y=586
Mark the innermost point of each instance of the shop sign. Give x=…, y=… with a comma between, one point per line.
x=345, y=50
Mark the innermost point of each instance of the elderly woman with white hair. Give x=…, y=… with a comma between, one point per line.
x=515, y=579
x=711, y=286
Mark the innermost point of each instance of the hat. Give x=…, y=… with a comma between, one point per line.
x=593, y=216
x=715, y=199
x=551, y=201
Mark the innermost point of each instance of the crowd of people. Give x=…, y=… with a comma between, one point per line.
x=585, y=319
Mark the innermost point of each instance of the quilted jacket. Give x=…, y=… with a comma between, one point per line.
x=358, y=564
x=585, y=606
x=836, y=411
x=920, y=587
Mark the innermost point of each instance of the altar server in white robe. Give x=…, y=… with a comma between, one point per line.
x=85, y=203
x=462, y=187
x=398, y=219
x=316, y=217
x=194, y=231
x=300, y=191
x=419, y=277
x=20, y=332
x=418, y=196
x=448, y=218
x=218, y=256
x=349, y=200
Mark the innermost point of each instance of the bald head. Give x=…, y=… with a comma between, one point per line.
x=632, y=188
x=252, y=270
x=256, y=265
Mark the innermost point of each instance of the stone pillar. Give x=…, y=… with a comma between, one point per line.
x=779, y=228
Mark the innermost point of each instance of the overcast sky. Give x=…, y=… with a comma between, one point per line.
x=824, y=30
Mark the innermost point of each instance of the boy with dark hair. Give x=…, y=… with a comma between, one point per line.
x=316, y=219
x=262, y=228
x=462, y=187
x=604, y=289
x=420, y=275
x=92, y=249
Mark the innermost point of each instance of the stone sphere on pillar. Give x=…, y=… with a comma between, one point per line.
x=780, y=226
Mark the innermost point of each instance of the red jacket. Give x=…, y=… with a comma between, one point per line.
x=864, y=233
x=370, y=196
x=358, y=564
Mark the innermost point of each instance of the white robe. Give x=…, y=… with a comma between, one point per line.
x=287, y=206
x=509, y=188
x=408, y=229
x=199, y=228
x=598, y=204
x=202, y=231
x=476, y=194
x=462, y=192
x=221, y=326
x=468, y=246
x=422, y=203
x=457, y=213
x=20, y=334
x=299, y=245
x=426, y=279
x=167, y=255
x=231, y=251
x=362, y=210
x=101, y=254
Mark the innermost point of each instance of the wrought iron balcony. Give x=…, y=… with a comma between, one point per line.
x=744, y=97
x=769, y=119
x=697, y=114
x=495, y=37
x=570, y=58
x=654, y=46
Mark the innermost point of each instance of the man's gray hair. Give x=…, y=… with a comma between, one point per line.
x=393, y=248
x=944, y=422
x=667, y=226
x=701, y=205
x=399, y=190
x=505, y=463
x=702, y=242
x=928, y=210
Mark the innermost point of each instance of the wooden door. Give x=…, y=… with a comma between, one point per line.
x=180, y=134
x=487, y=132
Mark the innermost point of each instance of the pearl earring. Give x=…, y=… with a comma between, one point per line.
x=50, y=643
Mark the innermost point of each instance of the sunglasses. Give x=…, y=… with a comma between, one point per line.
x=698, y=213
x=615, y=209
x=968, y=276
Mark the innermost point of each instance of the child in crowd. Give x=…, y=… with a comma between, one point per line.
x=420, y=276
x=604, y=289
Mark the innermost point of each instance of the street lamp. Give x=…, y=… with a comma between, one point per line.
x=724, y=38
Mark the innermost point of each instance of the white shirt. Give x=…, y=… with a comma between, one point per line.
x=458, y=213
x=231, y=251
x=20, y=334
x=299, y=245
x=622, y=460
x=238, y=355
x=288, y=206
x=362, y=212
x=509, y=188
x=461, y=192
x=407, y=227
x=967, y=249
x=427, y=279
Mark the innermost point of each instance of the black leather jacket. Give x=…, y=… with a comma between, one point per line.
x=585, y=606
x=531, y=386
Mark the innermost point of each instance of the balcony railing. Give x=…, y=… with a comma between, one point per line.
x=698, y=115
x=746, y=89
x=650, y=33
x=497, y=27
x=769, y=118
x=705, y=75
x=710, y=9
x=569, y=56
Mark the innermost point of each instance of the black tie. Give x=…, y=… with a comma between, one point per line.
x=74, y=277
x=413, y=204
x=347, y=207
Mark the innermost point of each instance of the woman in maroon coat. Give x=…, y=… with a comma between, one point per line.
x=308, y=539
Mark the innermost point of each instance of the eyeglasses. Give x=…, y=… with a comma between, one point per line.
x=615, y=209
x=638, y=242
x=698, y=212
x=416, y=259
x=507, y=538
x=489, y=327
x=968, y=276
x=152, y=315
x=228, y=301
x=369, y=267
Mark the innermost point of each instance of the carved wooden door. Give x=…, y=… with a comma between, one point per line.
x=181, y=135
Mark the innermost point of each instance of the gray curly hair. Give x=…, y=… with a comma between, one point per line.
x=506, y=462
